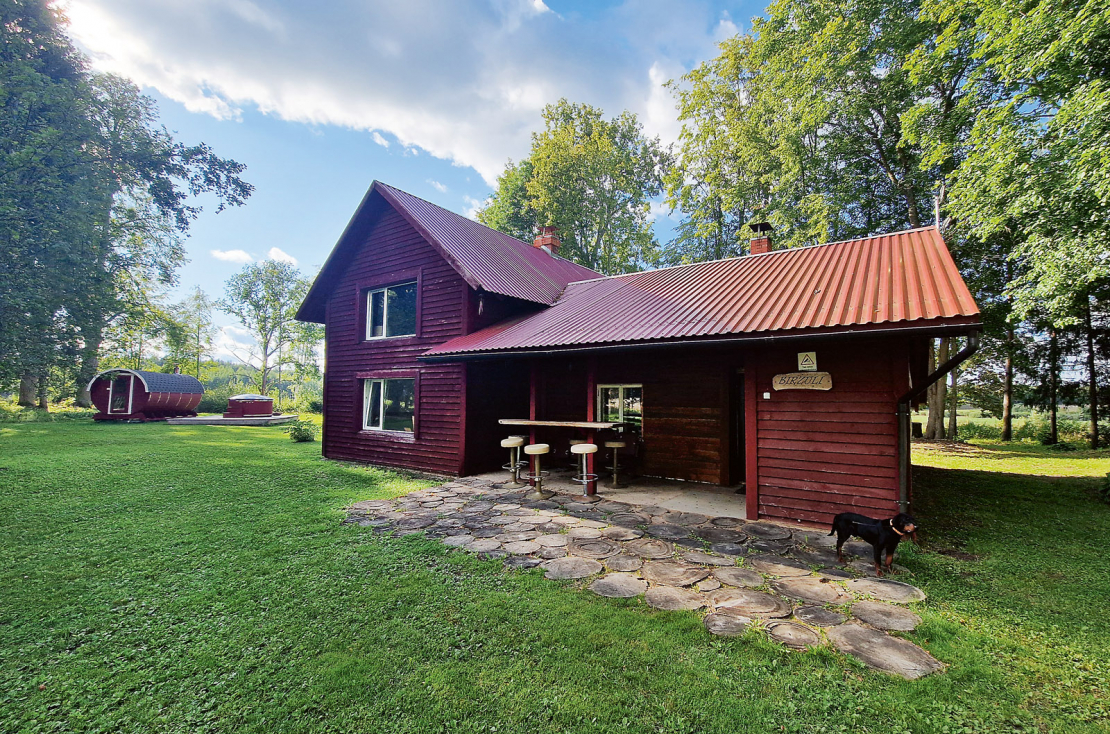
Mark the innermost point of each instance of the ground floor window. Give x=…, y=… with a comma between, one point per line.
x=389, y=405
x=621, y=404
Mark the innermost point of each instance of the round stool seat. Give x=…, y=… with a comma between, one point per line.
x=536, y=448
x=512, y=442
x=615, y=444
x=583, y=448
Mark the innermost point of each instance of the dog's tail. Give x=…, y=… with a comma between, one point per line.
x=832, y=531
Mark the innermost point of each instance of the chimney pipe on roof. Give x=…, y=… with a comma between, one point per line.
x=761, y=240
x=548, y=240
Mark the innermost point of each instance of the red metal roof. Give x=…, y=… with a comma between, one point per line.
x=898, y=280
x=485, y=258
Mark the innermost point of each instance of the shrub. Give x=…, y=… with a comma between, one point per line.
x=215, y=398
x=979, y=430
x=301, y=431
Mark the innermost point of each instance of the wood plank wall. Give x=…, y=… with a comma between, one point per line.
x=820, y=453
x=395, y=252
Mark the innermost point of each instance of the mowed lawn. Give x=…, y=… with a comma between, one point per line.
x=198, y=579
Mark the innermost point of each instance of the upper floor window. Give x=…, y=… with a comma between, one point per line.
x=391, y=311
x=621, y=404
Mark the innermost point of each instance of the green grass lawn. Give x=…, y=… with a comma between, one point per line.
x=197, y=579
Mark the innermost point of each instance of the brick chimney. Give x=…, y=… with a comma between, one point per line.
x=548, y=239
x=761, y=240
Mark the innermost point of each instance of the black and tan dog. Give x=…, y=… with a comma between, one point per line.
x=883, y=535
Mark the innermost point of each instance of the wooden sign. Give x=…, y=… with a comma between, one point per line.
x=802, y=381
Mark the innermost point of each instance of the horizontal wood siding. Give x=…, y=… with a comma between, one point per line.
x=820, y=453
x=393, y=252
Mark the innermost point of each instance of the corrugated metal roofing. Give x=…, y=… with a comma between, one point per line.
x=485, y=258
x=894, y=279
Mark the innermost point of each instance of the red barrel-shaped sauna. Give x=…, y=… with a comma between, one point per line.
x=139, y=395
x=249, y=406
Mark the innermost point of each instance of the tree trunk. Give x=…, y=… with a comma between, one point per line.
x=44, y=399
x=1053, y=358
x=90, y=364
x=28, y=389
x=1008, y=388
x=938, y=394
x=952, y=408
x=1092, y=378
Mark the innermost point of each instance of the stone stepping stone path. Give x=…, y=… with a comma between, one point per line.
x=671, y=599
x=619, y=586
x=878, y=650
x=885, y=616
x=742, y=571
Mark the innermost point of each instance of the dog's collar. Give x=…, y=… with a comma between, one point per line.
x=891, y=523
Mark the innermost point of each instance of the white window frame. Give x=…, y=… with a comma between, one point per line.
x=368, y=389
x=622, y=387
x=130, y=393
x=385, y=311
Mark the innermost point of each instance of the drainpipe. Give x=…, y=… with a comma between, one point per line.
x=904, y=416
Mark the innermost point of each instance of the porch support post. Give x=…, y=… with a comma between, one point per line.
x=751, y=455
x=533, y=384
x=591, y=415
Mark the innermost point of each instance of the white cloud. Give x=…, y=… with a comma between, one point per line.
x=232, y=256
x=465, y=83
x=472, y=207
x=232, y=342
x=438, y=186
x=659, y=210
x=281, y=256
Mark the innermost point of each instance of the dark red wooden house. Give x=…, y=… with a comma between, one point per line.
x=138, y=395
x=437, y=327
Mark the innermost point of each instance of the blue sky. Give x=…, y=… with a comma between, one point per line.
x=320, y=99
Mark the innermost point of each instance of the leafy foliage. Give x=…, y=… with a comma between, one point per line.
x=302, y=431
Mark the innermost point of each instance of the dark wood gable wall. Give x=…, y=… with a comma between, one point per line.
x=394, y=252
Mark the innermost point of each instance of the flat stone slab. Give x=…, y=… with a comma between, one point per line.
x=457, y=541
x=622, y=562
x=671, y=599
x=709, y=584
x=769, y=546
x=375, y=505
x=483, y=545
x=581, y=532
x=650, y=548
x=736, y=576
x=684, y=518
x=887, y=590
x=811, y=589
x=414, y=523
x=522, y=562
x=522, y=547
x=728, y=549
x=553, y=540
x=593, y=547
x=668, y=532
x=726, y=522
x=618, y=586
x=621, y=533
x=885, y=616
x=613, y=506
x=669, y=573
x=748, y=603
x=776, y=566
x=517, y=536
x=726, y=625
x=549, y=553
x=793, y=635
x=571, y=567
x=629, y=519
x=766, y=531
x=719, y=535
x=815, y=538
x=819, y=616
x=814, y=558
x=878, y=650
x=697, y=556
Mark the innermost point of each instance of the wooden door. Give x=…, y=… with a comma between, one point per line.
x=736, y=447
x=119, y=396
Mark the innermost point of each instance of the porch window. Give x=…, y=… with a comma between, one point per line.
x=391, y=311
x=621, y=404
x=388, y=405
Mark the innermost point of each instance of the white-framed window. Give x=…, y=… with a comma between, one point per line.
x=621, y=404
x=391, y=311
x=389, y=405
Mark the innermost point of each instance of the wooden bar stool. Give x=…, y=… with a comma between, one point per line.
x=616, y=446
x=513, y=444
x=536, y=450
x=584, y=478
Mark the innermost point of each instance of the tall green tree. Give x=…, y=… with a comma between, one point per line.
x=190, y=333
x=265, y=297
x=593, y=179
